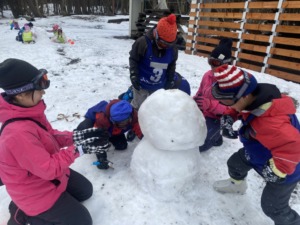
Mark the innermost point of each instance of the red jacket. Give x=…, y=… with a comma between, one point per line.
x=103, y=121
x=32, y=157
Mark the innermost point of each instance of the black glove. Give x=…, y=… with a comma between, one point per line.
x=103, y=163
x=89, y=135
x=272, y=174
x=226, y=127
x=169, y=84
x=135, y=81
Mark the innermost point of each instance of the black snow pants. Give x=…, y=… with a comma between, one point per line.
x=275, y=197
x=67, y=209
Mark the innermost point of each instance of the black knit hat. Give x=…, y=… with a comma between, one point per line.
x=223, y=50
x=16, y=73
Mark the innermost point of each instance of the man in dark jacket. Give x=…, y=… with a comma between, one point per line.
x=153, y=59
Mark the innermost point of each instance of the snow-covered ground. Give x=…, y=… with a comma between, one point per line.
x=96, y=68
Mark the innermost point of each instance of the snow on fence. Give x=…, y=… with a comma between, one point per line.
x=266, y=34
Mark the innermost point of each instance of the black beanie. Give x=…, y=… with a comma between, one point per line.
x=15, y=73
x=223, y=50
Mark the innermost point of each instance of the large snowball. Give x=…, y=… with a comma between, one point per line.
x=165, y=175
x=171, y=120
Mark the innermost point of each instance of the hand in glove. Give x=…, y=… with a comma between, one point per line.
x=272, y=174
x=203, y=103
x=89, y=135
x=226, y=127
x=169, y=84
x=135, y=81
x=91, y=147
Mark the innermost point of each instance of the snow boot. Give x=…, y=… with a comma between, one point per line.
x=231, y=186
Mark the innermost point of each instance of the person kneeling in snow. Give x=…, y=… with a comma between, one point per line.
x=117, y=117
x=28, y=36
x=35, y=158
x=59, y=37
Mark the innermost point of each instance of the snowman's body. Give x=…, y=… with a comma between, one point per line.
x=166, y=162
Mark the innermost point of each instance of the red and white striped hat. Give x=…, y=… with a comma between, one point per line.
x=230, y=79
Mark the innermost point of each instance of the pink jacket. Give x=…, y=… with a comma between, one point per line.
x=216, y=109
x=31, y=157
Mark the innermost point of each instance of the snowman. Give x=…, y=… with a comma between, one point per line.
x=166, y=161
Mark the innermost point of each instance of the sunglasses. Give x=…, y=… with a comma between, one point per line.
x=218, y=62
x=41, y=82
x=163, y=44
x=230, y=99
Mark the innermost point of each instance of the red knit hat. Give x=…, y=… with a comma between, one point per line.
x=167, y=28
x=231, y=79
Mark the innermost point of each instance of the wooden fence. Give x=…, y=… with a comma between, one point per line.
x=266, y=34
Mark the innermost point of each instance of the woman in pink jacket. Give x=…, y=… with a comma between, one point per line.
x=210, y=107
x=35, y=158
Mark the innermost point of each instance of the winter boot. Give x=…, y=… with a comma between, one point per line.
x=218, y=142
x=231, y=186
x=103, y=163
x=17, y=216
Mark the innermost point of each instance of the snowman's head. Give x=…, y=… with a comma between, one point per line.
x=171, y=120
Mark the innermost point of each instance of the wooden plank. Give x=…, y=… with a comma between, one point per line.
x=204, y=48
x=260, y=16
x=194, y=6
x=283, y=75
x=289, y=17
x=287, y=41
x=291, y=4
x=285, y=52
x=231, y=5
x=288, y=29
x=222, y=15
x=284, y=64
x=260, y=27
x=209, y=40
x=202, y=54
x=251, y=57
x=193, y=14
x=188, y=52
x=187, y=44
x=255, y=37
x=218, y=33
x=262, y=5
x=252, y=47
x=248, y=66
x=219, y=24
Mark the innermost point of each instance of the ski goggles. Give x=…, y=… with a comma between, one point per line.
x=218, y=62
x=40, y=82
x=230, y=98
x=122, y=124
x=163, y=44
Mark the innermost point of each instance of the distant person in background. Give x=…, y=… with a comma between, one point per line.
x=55, y=28
x=152, y=60
x=20, y=33
x=28, y=36
x=14, y=25
x=211, y=108
x=59, y=37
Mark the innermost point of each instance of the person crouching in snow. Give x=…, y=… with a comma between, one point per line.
x=35, y=158
x=28, y=36
x=117, y=117
x=59, y=37
x=271, y=138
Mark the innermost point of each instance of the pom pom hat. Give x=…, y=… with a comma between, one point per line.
x=232, y=83
x=120, y=111
x=221, y=53
x=167, y=28
x=17, y=76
